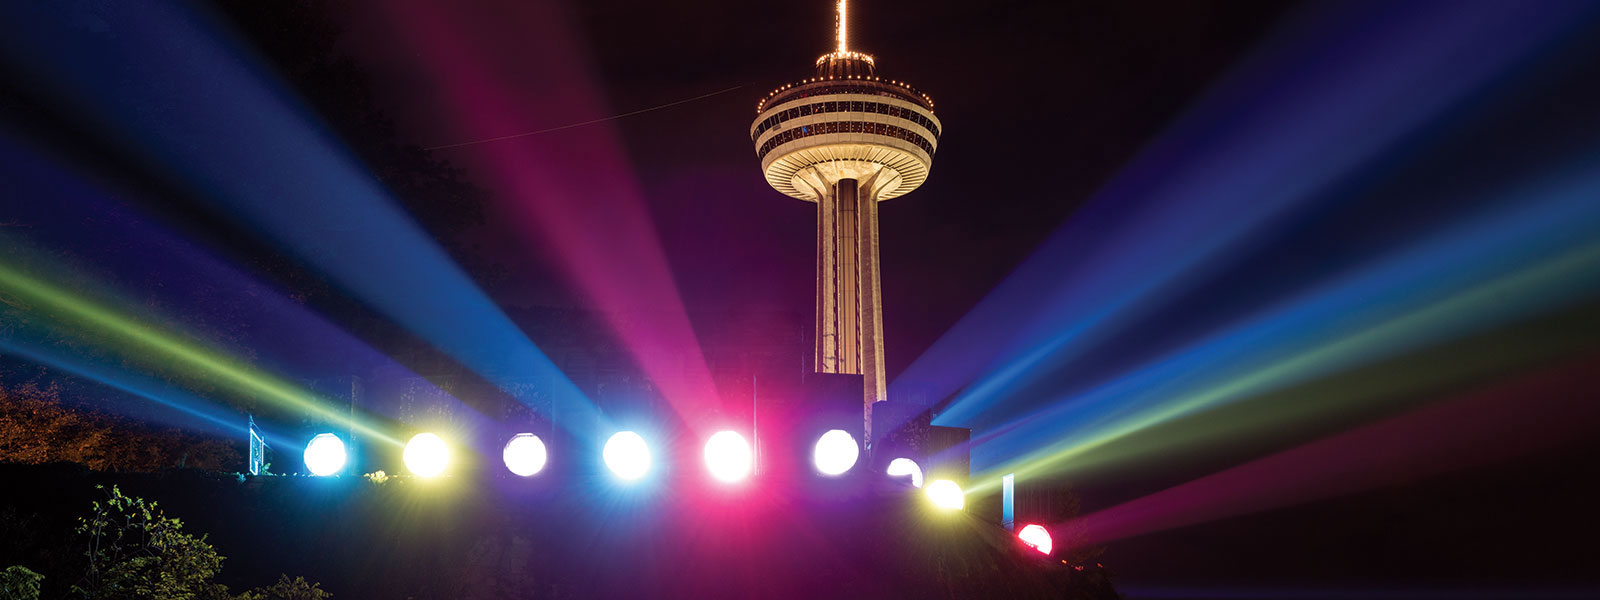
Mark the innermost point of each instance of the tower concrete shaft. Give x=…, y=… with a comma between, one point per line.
x=849, y=292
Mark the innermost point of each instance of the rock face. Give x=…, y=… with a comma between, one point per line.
x=490, y=537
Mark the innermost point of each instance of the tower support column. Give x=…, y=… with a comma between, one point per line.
x=871, y=300
x=827, y=360
x=849, y=292
x=847, y=231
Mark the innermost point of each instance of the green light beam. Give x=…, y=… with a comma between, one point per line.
x=217, y=365
x=1543, y=284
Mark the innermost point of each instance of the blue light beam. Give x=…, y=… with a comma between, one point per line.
x=165, y=84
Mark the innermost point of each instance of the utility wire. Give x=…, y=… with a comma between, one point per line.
x=590, y=122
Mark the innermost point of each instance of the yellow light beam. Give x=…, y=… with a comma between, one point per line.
x=1430, y=322
x=163, y=345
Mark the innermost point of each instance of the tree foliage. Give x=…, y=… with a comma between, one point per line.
x=18, y=583
x=36, y=427
x=288, y=589
x=135, y=551
x=124, y=548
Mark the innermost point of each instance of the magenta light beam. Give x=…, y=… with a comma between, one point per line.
x=572, y=191
x=1525, y=416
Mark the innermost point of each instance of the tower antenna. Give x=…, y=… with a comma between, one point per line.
x=843, y=35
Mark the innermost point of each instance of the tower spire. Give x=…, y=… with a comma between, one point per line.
x=843, y=26
x=844, y=63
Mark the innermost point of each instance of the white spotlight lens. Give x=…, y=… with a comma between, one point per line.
x=1036, y=537
x=728, y=456
x=835, y=452
x=901, y=467
x=524, y=454
x=325, y=455
x=426, y=455
x=946, y=494
x=627, y=455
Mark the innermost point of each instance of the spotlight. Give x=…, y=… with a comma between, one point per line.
x=426, y=455
x=835, y=453
x=524, y=454
x=627, y=455
x=728, y=456
x=325, y=455
x=901, y=467
x=1036, y=537
x=946, y=494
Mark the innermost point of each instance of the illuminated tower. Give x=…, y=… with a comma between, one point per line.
x=847, y=139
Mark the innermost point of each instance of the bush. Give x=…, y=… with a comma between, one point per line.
x=136, y=551
x=287, y=589
x=18, y=583
x=38, y=427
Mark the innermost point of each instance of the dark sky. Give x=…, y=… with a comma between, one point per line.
x=1041, y=101
x=1042, y=104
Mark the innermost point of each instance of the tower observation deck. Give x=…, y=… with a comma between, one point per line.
x=847, y=139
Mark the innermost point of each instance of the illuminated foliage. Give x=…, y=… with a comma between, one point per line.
x=135, y=551
x=36, y=427
x=18, y=583
x=288, y=589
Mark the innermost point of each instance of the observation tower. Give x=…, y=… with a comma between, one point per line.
x=847, y=139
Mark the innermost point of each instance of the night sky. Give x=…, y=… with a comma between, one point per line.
x=1277, y=238
x=1043, y=102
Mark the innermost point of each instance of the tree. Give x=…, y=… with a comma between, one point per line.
x=135, y=551
x=18, y=583
x=288, y=589
x=37, y=427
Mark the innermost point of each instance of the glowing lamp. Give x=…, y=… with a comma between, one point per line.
x=325, y=455
x=426, y=455
x=1037, y=538
x=524, y=454
x=835, y=452
x=728, y=456
x=901, y=467
x=627, y=455
x=946, y=494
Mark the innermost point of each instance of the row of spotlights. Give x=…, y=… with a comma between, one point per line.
x=727, y=455
x=836, y=451
x=524, y=455
x=1036, y=537
x=627, y=455
x=325, y=455
x=426, y=455
x=943, y=493
x=946, y=494
x=905, y=467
